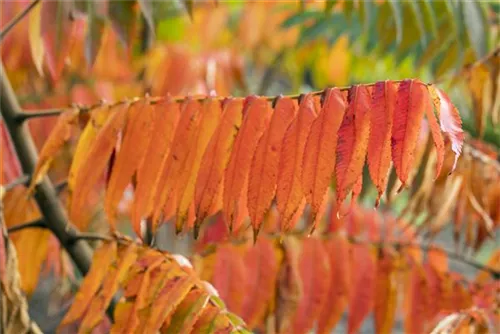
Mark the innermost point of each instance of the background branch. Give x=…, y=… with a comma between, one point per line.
x=16, y=19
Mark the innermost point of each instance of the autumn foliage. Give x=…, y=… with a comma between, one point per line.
x=128, y=124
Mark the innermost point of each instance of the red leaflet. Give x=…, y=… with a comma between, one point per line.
x=352, y=141
x=261, y=270
x=337, y=247
x=289, y=193
x=256, y=115
x=165, y=117
x=216, y=157
x=363, y=271
x=315, y=276
x=319, y=153
x=230, y=277
x=410, y=108
x=132, y=151
x=450, y=120
x=264, y=169
x=379, y=145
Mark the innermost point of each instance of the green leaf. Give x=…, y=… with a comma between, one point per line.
x=419, y=21
x=348, y=9
x=476, y=26
x=123, y=18
x=398, y=18
x=329, y=5
x=300, y=18
x=320, y=27
x=428, y=17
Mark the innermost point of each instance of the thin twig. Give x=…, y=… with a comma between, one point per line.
x=39, y=223
x=17, y=182
x=24, y=116
x=16, y=19
x=91, y=236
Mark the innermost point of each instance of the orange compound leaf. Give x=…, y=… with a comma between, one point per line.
x=103, y=258
x=262, y=267
x=264, y=169
x=385, y=300
x=133, y=148
x=289, y=192
x=174, y=163
x=87, y=139
x=92, y=170
x=165, y=117
x=319, y=153
x=379, y=143
x=410, y=107
x=216, y=157
x=315, y=273
x=188, y=312
x=337, y=296
x=417, y=300
x=436, y=135
x=113, y=277
x=352, y=142
x=210, y=117
x=55, y=142
x=230, y=277
x=167, y=301
x=256, y=113
x=450, y=120
x=363, y=276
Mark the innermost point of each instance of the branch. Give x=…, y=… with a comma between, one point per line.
x=16, y=19
x=45, y=193
x=22, y=180
x=39, y=223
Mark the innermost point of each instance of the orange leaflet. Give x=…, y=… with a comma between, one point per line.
x=167, y=301
x=319, y=153
x=165, y=117
x=450, y=120
x=136, y=138
x=204, y=324
x=256, y=113
x=379, y=143
x=114, y=276
x=56, y=140
x=362, y=295
x=210, y=117
x=188, y=312
x=438, y=259
x=289, y=193
x=92, y=169
x=230, y=277
x=352, y=140
x=173, y=164
x=56, y=29
x=216, y=157
x=410, y=108
x=103, y=258
x=315, y=273
x=264, y=169
x=385, y=302
x=417, y=300
x=98, y=118
x=436, y=135
x=262, y=268
x=337, y=296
